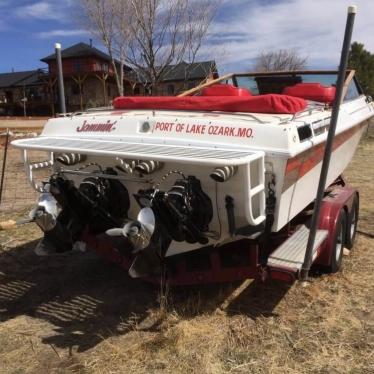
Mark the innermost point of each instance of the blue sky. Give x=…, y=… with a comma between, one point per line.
x=241, y=30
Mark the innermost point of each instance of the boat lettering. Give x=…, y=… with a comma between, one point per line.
x=97, y=127
x=164, y=126
x=239, y=132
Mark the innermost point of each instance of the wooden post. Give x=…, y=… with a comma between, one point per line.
x=79, y=81
x=103, y=78
x=51, y=83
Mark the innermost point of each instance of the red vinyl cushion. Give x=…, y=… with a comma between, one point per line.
x=272, y=103
x=312, y=91
x=224, y=90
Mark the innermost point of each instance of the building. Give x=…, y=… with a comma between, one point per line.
x=89, y=82
x=177, y=78
x=24, y=93
x=89, y=78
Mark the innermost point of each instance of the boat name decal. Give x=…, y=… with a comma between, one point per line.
x=107, y=126
x=240, y=132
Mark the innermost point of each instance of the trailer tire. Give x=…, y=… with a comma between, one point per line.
x=352, y=223
x=338, y=243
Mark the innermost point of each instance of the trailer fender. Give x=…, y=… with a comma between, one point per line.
x=336, y=200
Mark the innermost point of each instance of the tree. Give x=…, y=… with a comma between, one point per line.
x=149, y=35
x=106, y=19
x=362, y=61
x=281, y=60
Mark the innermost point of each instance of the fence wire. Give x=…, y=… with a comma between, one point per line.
x=17, y=194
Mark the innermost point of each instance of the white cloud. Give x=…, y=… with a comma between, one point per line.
x=39, y=10
x=61, y=33
x=45, y=10
x=314, y=28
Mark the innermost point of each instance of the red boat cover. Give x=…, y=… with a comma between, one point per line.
x=272, y=103
x=224, y=90
x=312, y=91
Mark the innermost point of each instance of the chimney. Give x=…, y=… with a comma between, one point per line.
x=91, y=43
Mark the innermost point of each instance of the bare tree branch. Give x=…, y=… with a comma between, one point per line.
x=281, y=60
x=149, y=35
x=105, y=20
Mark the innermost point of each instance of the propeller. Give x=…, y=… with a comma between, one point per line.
x=46, y=212
x=139, y=232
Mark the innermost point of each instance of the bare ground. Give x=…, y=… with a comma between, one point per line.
x=22, y=124
x=78, y=314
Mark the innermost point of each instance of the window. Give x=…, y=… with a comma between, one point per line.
x=2, y=98
x=249, y=83
x=170, y=89
x=74, y=89
x=31, y=93
x=352, y=92
x=77, y=66
x=273, y=83
x=9, y=96
x=105, y=67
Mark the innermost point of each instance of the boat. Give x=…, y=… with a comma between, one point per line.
x=196, y=171
x=230, y=166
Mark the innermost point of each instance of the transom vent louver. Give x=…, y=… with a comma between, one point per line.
x=148, y=166
x=70, y=158
x=224, y=173
x=142, y=167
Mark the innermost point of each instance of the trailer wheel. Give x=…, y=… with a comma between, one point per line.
x=352, y=223
x=338, y=243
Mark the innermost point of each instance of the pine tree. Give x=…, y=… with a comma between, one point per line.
x=362, y=61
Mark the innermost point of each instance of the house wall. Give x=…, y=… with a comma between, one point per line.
x=84, y=88
x=90, y=94
x=82, y=65
x=38, y=100
x=170, y=88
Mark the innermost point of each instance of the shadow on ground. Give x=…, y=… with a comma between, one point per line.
x=87, y=299
x=84, y=297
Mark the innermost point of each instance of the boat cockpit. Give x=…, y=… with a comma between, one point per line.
x=289, y=92
x=313, y=85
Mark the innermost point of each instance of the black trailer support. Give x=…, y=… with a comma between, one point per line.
x=329, y=143
x=4, y=163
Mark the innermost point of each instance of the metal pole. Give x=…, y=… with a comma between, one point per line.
x=60, y=77
x=4, y=163
x=329, y=143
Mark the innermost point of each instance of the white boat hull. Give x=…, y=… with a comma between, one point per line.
x=300, y=184
x=270, y=147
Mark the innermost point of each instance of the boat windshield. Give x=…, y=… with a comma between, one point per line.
x=260, y=84
x=276, y=82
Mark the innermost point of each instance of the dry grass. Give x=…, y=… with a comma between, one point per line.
x=80, y=315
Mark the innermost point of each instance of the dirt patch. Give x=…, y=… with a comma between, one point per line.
x=22, y=124
x=79, y=314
